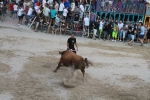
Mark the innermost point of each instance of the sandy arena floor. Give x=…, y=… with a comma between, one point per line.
x=27, y=61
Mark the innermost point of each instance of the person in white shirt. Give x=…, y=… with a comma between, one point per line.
x=17, y=1
x=37, y=9
x=81, y=11
x=86, y=24
x=65, y=12
x=29, y=15
x=120, y=31
x=50, y=2
x=61, y=8
x=46, y=12
x=24, y=7
x=101, y=24
x=43, y=3
x=73, y=6
x=15, y=10
x=20, y=12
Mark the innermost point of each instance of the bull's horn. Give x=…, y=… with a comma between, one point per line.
x=60, y=52
x=85, y=59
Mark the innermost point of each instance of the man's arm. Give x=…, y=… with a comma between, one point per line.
x=68, y=44
x=76, y=46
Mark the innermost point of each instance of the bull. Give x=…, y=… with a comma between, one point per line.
x=70, y=59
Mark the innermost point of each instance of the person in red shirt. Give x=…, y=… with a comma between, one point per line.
x=38, y=3
x=11, y=7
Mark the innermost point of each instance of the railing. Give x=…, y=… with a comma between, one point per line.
x=122, y=6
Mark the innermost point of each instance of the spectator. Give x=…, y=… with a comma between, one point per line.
x=102, y=4
x=124, y=31
x=17, y=1
x=129, y=31
x=57, y=21
x=105, y=30
x=38, y=3
x=29, y=15
x=120, y=25
x=93, y=3
x=98, y=18
x=34, y=2
x=15, y=10
x=4, y=9
x=132, y=37
x=43, y=3
x=110, y=26
x=11, y=9
x=81, y=11
x=115, y=32
x=86, y=24
x=92, y=16
x=46, y=12
x=65, y=13
x=69, y=17
x=76, y=3
x=50, y=2
x=86, y=2
x=72, y=6
x=24, y=7
x=56, y=6
x=95, y=27
x=61, y=8
x=20, y=12
x=101, y=24
x=63, y=27
x=142, y=31
x=37, y=9
x=76, y=18
x=67, y=4
x=37, y=21
x=53, y=14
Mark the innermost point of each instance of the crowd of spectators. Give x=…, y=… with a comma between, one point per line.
x=126, y=6
x=73, y=15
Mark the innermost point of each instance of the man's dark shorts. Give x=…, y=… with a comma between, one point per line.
x=19, y=17
x=141, y=36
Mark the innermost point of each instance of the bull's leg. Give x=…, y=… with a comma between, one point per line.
x=73, y=73
x=59, y=64
x=83, y=72
x=74, y=76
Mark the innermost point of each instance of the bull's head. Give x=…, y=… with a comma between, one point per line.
x=86, y=62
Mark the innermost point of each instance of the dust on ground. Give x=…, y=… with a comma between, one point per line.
x=27, y=61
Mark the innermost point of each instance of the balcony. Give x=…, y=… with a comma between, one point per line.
x=122, y=6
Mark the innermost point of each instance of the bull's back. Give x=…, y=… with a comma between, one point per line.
x=70, y=58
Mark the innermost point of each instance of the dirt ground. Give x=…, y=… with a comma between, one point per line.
x=27, y=61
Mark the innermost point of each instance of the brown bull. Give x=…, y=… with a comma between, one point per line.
x=70, y=59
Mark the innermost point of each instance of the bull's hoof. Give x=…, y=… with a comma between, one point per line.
x=55, y=71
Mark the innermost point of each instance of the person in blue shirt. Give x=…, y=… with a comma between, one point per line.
x=53, y=14
x=67, y=4
x=142, y=32
x=57, y=22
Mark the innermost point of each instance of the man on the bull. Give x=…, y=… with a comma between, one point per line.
x=71, y=42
